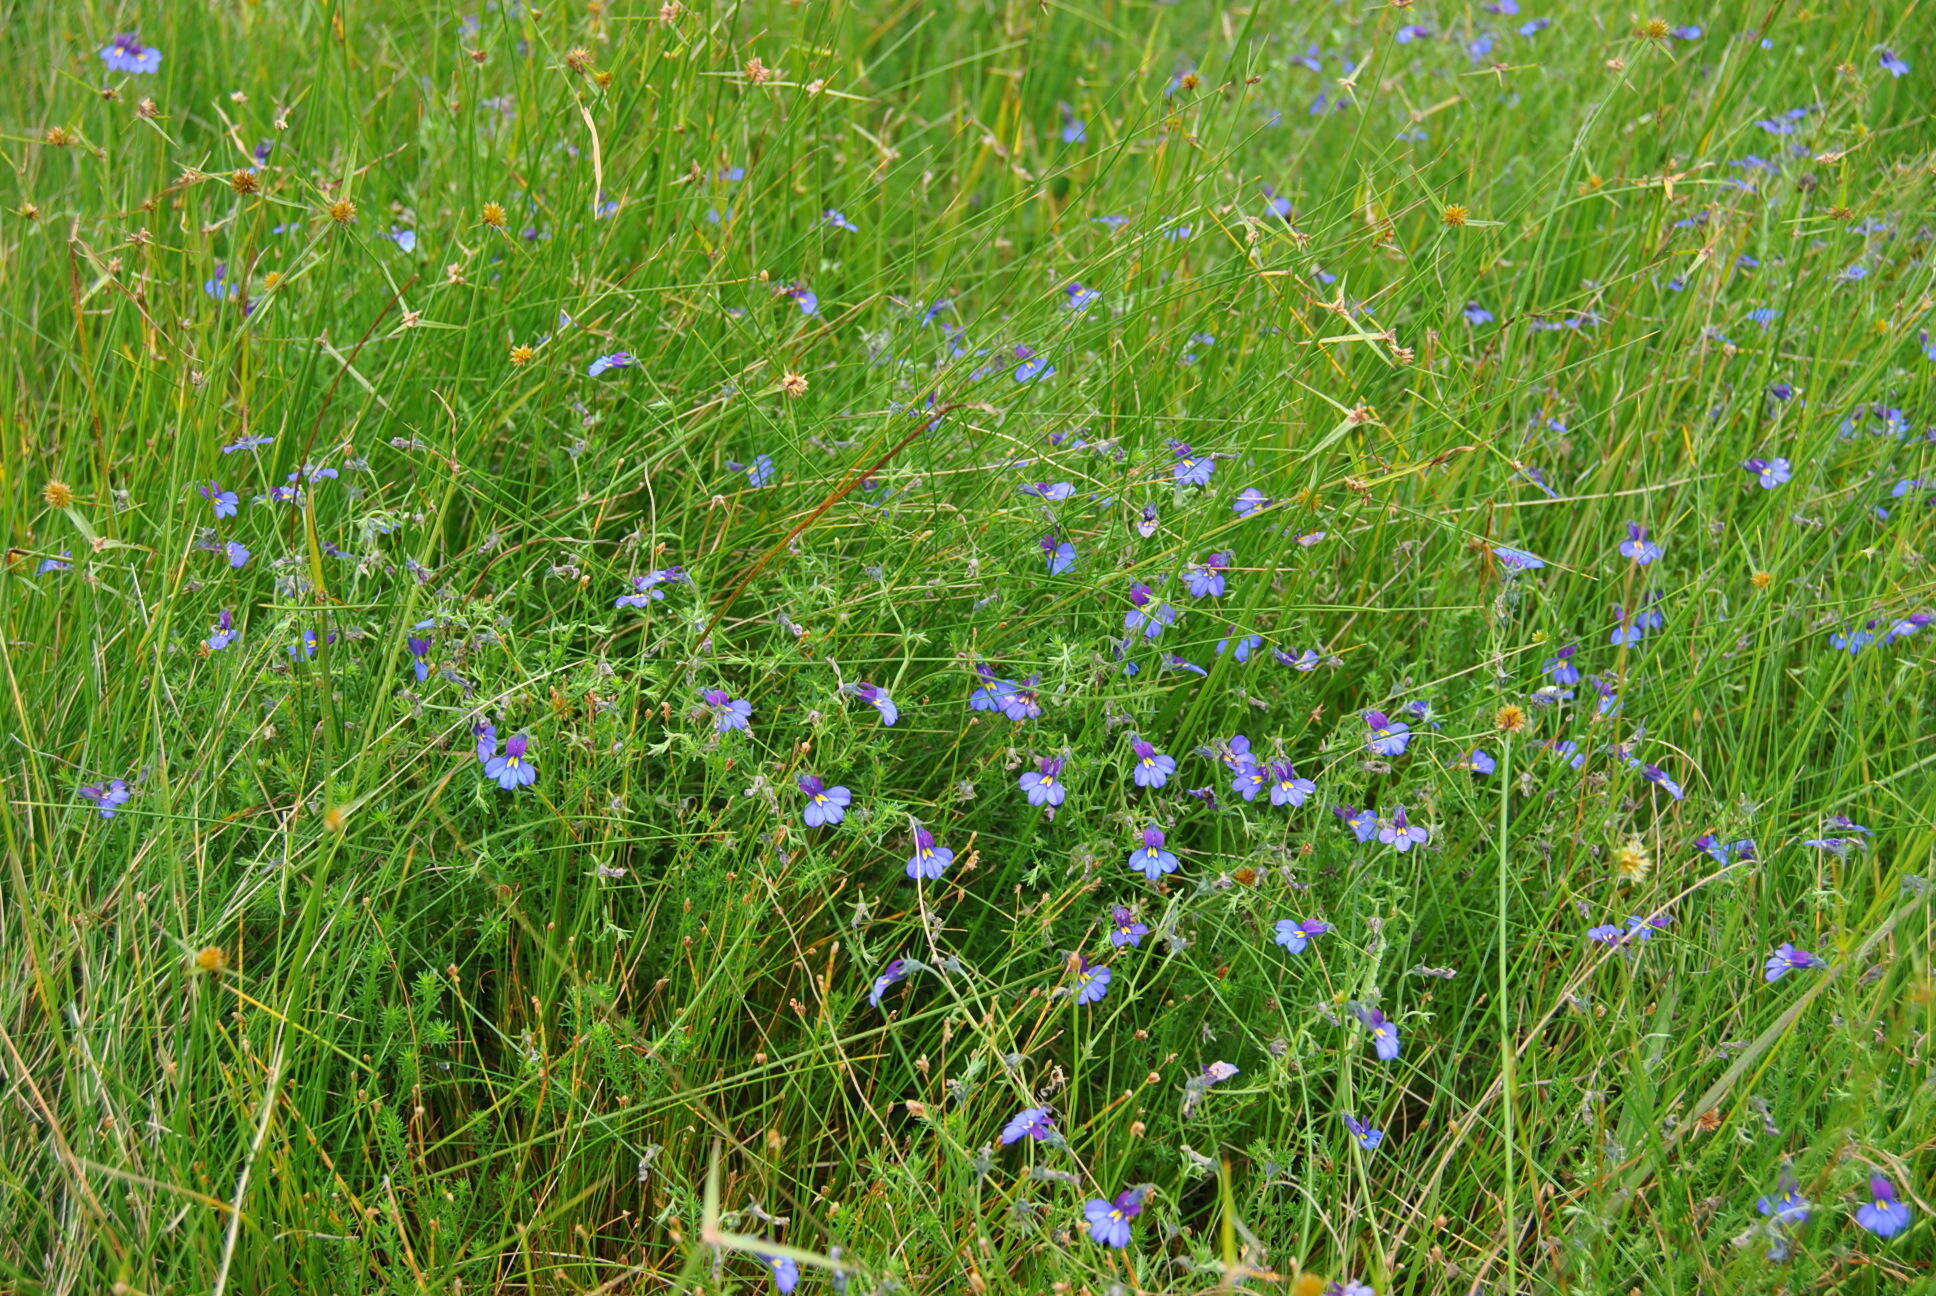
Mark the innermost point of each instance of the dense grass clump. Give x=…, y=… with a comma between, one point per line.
x=990, y=647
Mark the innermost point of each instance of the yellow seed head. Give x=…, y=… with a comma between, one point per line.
x=1653, y=29
x=1456, y=215
x=342, y=211
x=493, y=215
x=245, y=182
x=579, y=60
x=57, y=494
x=210, y=959
x=1509, y=718
x=1762, y=579
x=522, y=354
x=1631, y=861
x=794, y=384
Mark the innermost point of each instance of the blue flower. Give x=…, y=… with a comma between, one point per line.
x=1517, y=559
x=616, y=360
x=1401, y=835
x=126, y=54
x=1153, y=768
x=1769, y=472
x=1368, y=1138
x=108, y=797
x=1638, y=547
x=1142, y=616
x=1061, y=554
x=877, y=697
x=1387, y=737
x=1287, y=787
x=1191, y=468
x=1295, y=935
x=896, y=970
x=728, y=712
x=1109, y=1221
x=1883, y=1214
x=825, y=805
x=1788, y=958
x=1092, y=982
x=1384, y=1034
x=1894, y=66
x=1151, y=860
x=929, y=861
x=1478, y=760
x=1043, y=786
x=839, y=222
x=1030, y=1122
x=1126, y=929
x=511, y=770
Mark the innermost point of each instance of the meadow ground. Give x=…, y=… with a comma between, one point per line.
x=1095, y=647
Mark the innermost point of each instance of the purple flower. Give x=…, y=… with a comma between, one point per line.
x=1127, y=930
x=1560, y=668
x=1384, y=1035
x=1883, y=1214
x=511, y=770
x=1475, y=314
x=225, y=632
x=1726, y=853
x=419, y=656
x=225, y=501
x=1368, y=1138
x=1655, y=774
x=616, y=360
x=876, y=697
x=1363, y=823
x=1141, y=616
x=1250, y=500
x=1637, y=546
x=993, y=693
x=728, y=711
x=1787, y=958
x=1050, y=490
x=1030, y=1122
x=786, y=1273
x=107, y=796
x=1021, y=701
x=1769, y=472
x=825, y=805
x=758, y=473
x=1061, y=554
x=1109, y=1221
x=1153, y=768
x=1032, y=366
x=1400, y=835
x=1191, y=468
x=1146, y=524
x=896, y=970
x=1092, y=982
x=1043, y=786
x=1517, y=559
x=838, y=221
x=1205, y=579
x=1151, y=860
x=1287, y=787
x=645, y=589
x=1894, y=66
x=1387, y=737
x=1080, y=298
x=1641, y=929
x=126, y=54
x=238, y=553
x=1295, y=935
x=1248, y=778
x=1478, y=760
x=248, y=443
x=929, y=861
x=1787, y=1207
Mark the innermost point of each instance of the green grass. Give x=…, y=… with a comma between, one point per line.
x=322, y=1009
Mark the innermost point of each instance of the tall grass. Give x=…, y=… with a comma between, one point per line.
x=322, y=1008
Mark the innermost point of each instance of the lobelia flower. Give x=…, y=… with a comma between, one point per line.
x=1883, y=1214
x=1726, y=853
x=1295, y=935
x=1787, y=958
x=645, y=589
x=1055, y=491
x=1769, y=472
x=238, y=553
x=1043, y=785
x=896, y=970
x=1517, y=559
x=825, y=805
x=1126, y=929
x=107, y=796
x=728, y=712
x=1215, y=1073
x=1153, y=768
x=248, y=443
x=1250, y=500
x=1021, y=701
x=616, y=360
x=1030, y=1122
x=1151, y=860
x=1655, y=774
x=876, y=697
x=1641, y=929
x=758, y=473
x=1384, y=1034
x=929, y=861
x=419, y=656
x=1205, y=579
x=1109, y=1221
x=126, y=54
x=1350, y=1288
x=511, y=770
x=1363, y=823
x=1061, y=554
x=1146, y=523
x=786, y=1272
x=1092, y=982
x=1478, y=760
x=1368, y=1138
x=1787, y=1207
x=1387, y=737
x=838, y=221
x=1400, y=835
x=1032, y=366
x=1080, y=298
x=1560, y=668
x=225, y=632
x=1287, y=787
x=1141, y=616
x=1308, y=660
x=1190, y=468
x=1248, y=779
x=224, y=501
x=1891, y=64
x=1638, y=547
x=1475, y=314
x=1839, y=846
